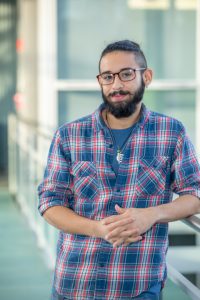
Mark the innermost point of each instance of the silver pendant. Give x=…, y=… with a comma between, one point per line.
x=119, y=157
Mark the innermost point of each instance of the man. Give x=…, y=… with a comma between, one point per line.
x=108, y=187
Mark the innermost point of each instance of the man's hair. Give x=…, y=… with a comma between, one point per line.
x=129, y=46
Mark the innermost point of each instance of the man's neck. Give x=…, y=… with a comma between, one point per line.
x=122, y=123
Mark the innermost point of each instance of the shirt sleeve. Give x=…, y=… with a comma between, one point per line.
x=56, y=186
x=185, y=170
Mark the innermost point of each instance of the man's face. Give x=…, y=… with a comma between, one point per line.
x=121, y=97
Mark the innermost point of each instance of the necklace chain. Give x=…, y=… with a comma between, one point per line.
x=120, y=155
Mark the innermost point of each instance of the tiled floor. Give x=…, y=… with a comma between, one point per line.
x=23, y=273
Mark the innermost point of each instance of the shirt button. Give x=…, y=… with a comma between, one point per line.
x=101, y=265
x=155, y=164
x=110, y=146
x=118, y=190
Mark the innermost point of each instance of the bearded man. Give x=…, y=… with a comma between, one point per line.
x=109, y=184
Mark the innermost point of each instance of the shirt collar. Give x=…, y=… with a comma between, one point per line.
x=99, y=123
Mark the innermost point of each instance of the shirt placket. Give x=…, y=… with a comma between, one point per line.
x=102, y=263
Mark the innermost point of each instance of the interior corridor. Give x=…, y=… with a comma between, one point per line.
x=23, y=271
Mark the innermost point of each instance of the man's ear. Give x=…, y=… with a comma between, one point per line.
x=147, y=77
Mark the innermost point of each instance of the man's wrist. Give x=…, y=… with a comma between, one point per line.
x=156, y=213
x=95, y=229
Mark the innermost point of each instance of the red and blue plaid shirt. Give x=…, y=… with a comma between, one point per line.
x=159, y=160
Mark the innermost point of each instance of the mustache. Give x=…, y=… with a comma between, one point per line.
x=119, y=93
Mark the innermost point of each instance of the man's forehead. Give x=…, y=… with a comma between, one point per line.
x=117, y=60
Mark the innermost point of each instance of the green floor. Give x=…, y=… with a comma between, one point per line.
x=172, y=292
x=23, y=273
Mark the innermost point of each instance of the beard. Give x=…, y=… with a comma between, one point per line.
x=126, y=108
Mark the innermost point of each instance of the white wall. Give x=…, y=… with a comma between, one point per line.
x=27, y=59
x=47, y=95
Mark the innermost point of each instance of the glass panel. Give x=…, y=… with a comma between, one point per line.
x=165, y=32
x=74, y=105
x=8, y=60
x=177, y=104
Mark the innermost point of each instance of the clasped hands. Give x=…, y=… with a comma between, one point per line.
x=127, y=226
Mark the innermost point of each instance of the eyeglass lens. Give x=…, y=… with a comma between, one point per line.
x=124, y=75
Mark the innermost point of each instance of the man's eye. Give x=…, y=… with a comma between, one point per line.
x=126, y=74
x=107, y=77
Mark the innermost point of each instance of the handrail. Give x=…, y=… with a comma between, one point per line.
x=189, y=288
x=193, y=222
x=36, y=127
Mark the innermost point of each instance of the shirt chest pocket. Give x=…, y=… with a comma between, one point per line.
x=152, y=175
x=85, y=182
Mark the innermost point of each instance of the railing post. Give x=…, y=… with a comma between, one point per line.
x=12, y=155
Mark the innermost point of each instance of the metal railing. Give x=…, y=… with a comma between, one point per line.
x=27, y=154
x=28, y=148
x=190, y=289
x=193, y=222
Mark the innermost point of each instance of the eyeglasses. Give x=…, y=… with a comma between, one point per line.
x=127, y=74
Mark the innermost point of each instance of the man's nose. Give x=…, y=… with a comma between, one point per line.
x=117, y=83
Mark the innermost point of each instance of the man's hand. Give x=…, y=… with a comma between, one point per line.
x=112, y=224
x=128, y=226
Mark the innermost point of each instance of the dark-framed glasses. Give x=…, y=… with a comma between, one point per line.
x=127, y=74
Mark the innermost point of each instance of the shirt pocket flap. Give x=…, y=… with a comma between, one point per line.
x=158, y=162
x=83, y=168
x=152, y=174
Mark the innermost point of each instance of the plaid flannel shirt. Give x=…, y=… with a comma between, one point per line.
x=159, y=159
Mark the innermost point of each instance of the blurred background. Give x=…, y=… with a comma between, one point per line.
x=49, y=53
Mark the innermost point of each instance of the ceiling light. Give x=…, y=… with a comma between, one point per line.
x=186, y=4
x=148, y=4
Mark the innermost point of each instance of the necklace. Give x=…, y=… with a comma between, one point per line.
x=120, y=155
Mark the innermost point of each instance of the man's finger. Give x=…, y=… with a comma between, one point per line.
x=118, y=243
x=130, y=233
x=115, y=229
x=132, y=240
x=117, y=220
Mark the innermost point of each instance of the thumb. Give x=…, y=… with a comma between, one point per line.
x=119, y=209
